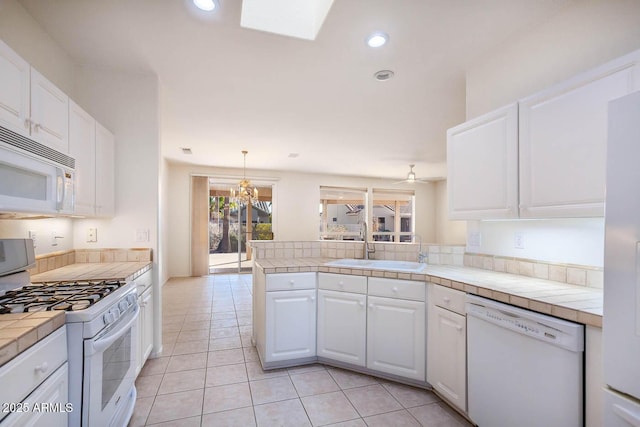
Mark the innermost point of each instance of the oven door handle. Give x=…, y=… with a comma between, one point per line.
x=122, y=326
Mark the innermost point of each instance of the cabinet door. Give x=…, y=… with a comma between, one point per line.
x=482, y=166
x=146, y=330
x=396, y=337
x=290, y=325
x=49, y=113
x=105, y=172
x=342, y=326
x=82, y=147
x=14, y=91
x=563, y=138
x=447, y=355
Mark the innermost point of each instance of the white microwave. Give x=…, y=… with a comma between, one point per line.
x=34, y=178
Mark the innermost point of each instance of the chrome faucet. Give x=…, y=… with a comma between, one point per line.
x=422, y=257
x=365, y=236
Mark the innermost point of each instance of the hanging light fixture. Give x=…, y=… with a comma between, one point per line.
x=244, y=192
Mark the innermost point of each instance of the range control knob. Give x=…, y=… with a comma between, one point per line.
x=123, y=305
x=110, y=317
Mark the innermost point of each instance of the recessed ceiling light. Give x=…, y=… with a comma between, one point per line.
x=377, y=39
x=206, y=5
x=383, y=75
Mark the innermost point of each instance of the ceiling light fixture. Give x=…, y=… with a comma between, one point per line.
x=377, y=39
x=245, y=192
x=206, y=5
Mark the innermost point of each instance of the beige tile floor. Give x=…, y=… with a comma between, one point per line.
x=209, y=374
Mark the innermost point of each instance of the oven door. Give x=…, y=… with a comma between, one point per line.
x=109, y=372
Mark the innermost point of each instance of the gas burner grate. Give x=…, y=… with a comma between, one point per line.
x=67, y=296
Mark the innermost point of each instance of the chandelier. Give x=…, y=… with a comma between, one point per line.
x=244, y=191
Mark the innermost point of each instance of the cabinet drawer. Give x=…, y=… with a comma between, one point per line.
x=290, y=281
x=395, y=288
x=342, y=282
x=448, y=298
x=32, y=367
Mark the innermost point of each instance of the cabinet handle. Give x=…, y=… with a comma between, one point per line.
x=458, y=328
x=447, y=300
x=36, y=127
x=371, y=306
x=27, y=123
x=291, y=282
x=395, y=289
x=312, y=298
x=42, y=368
x=361, y=304
x=341, y=284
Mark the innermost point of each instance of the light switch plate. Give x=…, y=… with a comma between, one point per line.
x=92, y=235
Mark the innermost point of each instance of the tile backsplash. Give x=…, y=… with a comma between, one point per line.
x=581, y=275
x=55, y=260
x=436, y=255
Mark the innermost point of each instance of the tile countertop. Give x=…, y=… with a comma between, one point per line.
x=19, y=331
x=93, y=271
x=570, y=302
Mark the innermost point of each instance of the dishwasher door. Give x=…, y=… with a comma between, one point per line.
x=524, y=369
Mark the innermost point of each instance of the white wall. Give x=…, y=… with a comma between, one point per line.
x=565, y=241
x=296, y=199
x=127, y=105
x=447, y=232
x=44, y=229
x=24, y=35
x=580, y=37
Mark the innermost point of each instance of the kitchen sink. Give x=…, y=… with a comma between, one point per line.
x=378, y=264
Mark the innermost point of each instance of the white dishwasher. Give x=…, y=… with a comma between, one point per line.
x=525, y=369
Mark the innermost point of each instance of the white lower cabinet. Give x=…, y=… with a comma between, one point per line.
x=447, y=345
x=342, y=326
x=145, y=327
x=290, y=324
x=396, y=337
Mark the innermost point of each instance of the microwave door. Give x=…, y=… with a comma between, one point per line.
x=26, y=184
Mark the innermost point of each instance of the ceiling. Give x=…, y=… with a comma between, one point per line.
x=224, y=88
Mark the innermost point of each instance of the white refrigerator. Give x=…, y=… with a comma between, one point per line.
x=621, y=319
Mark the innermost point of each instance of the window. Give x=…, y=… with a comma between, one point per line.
x=392, y=217
x=342, y=211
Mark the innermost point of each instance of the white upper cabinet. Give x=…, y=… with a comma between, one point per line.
x=30, y=104
x=482, y=156
x=49, y=113
x=82, y=147
x=14, y=91
x=105, y=172
x=543, y=157
x=563, y=141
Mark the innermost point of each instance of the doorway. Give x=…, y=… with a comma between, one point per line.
x=233, y=224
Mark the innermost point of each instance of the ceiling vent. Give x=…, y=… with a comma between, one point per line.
x=383, y=75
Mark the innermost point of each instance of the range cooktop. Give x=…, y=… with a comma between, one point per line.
x=68, y=296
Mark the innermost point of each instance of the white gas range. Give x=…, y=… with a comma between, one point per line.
x=100, y=319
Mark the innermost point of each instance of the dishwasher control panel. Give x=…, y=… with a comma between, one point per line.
x=555, y=331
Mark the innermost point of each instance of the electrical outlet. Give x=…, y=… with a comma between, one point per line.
x=33, y=236
x=518, y=240
x=92, y=235
x=475, y=238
